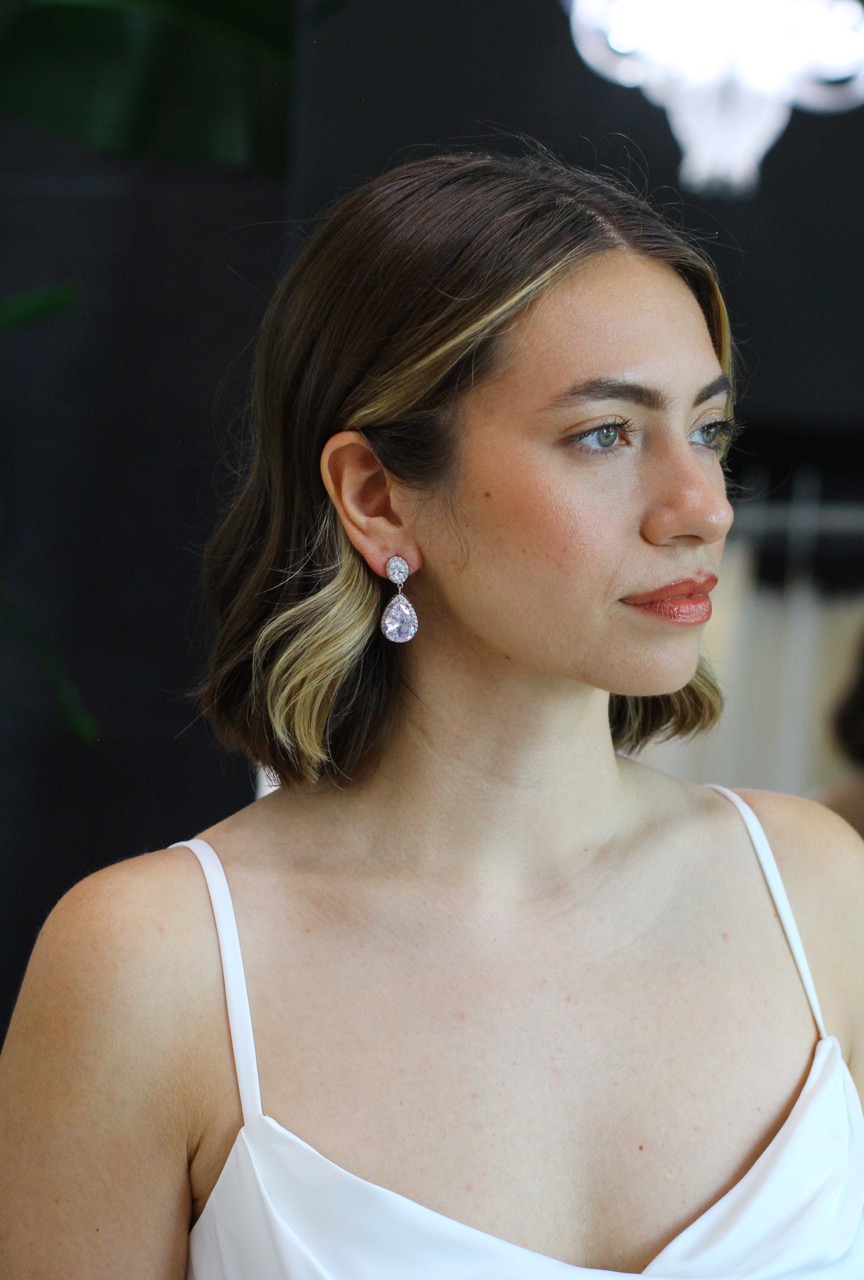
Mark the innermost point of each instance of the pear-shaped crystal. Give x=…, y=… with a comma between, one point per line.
x=399, y=621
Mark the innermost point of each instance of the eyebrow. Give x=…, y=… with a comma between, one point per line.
x=635, y=392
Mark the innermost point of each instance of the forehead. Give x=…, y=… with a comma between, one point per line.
x=617, y=313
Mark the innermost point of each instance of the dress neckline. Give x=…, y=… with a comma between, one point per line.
x=826, y=1053
x=743, y=1196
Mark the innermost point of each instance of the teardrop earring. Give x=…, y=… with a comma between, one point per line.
x=399, y=621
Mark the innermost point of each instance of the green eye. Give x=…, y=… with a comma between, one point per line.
x=717, y=436
x=606, y=436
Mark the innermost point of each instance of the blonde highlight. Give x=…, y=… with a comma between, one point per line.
x=303, y=653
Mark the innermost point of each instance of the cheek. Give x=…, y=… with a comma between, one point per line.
x=547, y=524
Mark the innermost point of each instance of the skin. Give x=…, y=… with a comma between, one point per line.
x=846, y=797
x=531, y=985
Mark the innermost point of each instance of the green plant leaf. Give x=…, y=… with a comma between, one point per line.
x=37, y=304
x=193, y=88
x=76, y=715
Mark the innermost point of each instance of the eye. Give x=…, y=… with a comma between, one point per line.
x=717, y=436
x=600, y=439
x=607, y=435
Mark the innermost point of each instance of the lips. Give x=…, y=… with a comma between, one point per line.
x=683, y=589
x=685, y=602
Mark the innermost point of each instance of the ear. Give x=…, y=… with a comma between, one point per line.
x=366, y=498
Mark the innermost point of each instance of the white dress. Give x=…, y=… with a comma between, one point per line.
x=282, y=1211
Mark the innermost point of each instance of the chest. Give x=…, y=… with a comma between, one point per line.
x=580, y=1092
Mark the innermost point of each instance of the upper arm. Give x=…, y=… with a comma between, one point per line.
x=95, y=1130
x=821, y=860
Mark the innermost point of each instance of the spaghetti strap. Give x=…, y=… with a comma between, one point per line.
x=771, y=872
x=236, y=996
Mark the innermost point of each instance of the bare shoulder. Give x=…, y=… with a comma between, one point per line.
x=821, y=858
x=810, y=839
x=110, y=946
x=821, y=861
x=131, y=895
x=96, y=1066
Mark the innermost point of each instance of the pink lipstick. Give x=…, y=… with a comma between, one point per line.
x=686, y=601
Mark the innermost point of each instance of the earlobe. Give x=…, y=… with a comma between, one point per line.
x=363, y=493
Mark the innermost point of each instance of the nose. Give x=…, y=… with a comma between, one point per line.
x=686, y=499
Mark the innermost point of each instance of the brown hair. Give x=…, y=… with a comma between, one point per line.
x=391, y=312
x=847, y=719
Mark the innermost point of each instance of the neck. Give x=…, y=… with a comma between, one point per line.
x=500, y=774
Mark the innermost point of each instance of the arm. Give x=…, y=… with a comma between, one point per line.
x=95, y=1128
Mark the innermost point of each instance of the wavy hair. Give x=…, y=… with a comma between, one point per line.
x=393, y=309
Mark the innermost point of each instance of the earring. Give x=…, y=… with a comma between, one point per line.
x=399, y=621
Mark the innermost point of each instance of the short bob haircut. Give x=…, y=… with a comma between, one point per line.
x=391, y=313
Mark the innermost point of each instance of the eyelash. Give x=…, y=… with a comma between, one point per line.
x=728, y=433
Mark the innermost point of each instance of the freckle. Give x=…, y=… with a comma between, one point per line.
x=487, y=493
x=641, y=1148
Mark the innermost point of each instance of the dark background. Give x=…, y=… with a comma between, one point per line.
x=117, y=415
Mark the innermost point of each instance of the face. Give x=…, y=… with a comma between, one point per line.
x=591, y=509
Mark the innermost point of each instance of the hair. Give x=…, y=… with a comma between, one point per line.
x=847, y=719
x=392, y=311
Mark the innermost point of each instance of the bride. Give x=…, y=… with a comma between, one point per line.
x=473, y=993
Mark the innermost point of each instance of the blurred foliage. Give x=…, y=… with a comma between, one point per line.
x=15, y=313
x=75, y=714
x=38, y=304
x=199, y=81
x=204, y=82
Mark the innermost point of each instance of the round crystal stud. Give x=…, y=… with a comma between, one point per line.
x=397, y=570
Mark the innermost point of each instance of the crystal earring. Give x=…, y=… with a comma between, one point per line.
x=399, y=621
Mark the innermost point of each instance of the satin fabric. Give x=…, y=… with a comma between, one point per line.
x=281, y=1211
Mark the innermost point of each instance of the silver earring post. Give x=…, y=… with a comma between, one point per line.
x=399, y=621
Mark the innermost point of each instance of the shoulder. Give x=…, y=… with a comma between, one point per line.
x=118, y=969
x=846, y=797
x=821, y=858
x=809, y=839
x=100, y=1062
x=122, y=931
x=821, y=862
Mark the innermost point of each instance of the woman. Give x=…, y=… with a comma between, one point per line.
x=523, y=1009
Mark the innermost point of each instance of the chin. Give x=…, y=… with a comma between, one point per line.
x=655, y=684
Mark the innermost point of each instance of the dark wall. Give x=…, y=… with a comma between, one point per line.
x=113, y=417
x=382, y=76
